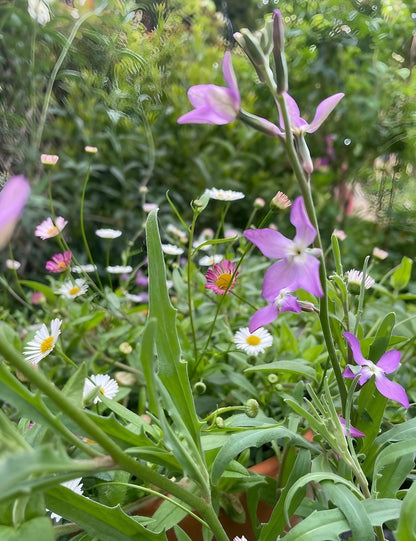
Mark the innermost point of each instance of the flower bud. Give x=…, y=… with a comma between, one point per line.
x=306, y=306
x=279, y=53
x=251, y=47
x=125, y=348
x=304, y=154
x=272, y=378
x=252, y=408
x=280, y=201
x=219, y=421
x=125, y=378
x=200, y=387
x=259, y=203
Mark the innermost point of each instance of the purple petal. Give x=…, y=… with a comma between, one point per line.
x=323, y=110
x=354, y=432
x=262, y=317
x=278, y=276
x=213, y=105
x=290, y=304
x=348, y=373
x=390, y=361
x=294, y=114
x=354, y=344
x=305, y=231
x=306, y=276
x=203, y=115
x=230, y=78
x=271, y=243
x=393, y=390
x=12, y=201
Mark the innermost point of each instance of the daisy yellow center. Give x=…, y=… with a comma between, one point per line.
x=74, y=290
x=46, y=345
x=223, y=280
x=253, y=340
x=52, y=230
x=61, y=265
x=102, y=390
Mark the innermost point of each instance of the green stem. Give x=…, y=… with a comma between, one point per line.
x=189, y=285
x=52, y=78
x=126, y=462
x=305, y=188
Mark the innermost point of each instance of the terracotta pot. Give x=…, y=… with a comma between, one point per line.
x=193, y=528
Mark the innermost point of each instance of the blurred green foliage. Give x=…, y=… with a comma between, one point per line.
x=123, y=84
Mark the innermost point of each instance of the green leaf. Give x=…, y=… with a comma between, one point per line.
x=389, y=455
x=383, y=337
x=90, y=321
x=172, y=370
x=297, y=366
x=42, y=288
x=32, y=530
x=358, y=520
x=105, y=523
x=74, y=387
x=406, y=528
x=252, y=438
x=277, y=521
x=401, y=275
x=329, y=524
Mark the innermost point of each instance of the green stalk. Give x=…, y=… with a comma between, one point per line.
x=126, y=462
x=189, y=285
x=305, y=188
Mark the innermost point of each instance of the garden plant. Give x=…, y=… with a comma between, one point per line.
x=143, y=382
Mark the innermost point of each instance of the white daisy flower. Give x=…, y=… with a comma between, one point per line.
x=12, y=264
x=379, y=253
x=70, y=289
x=108, y=233
x=224, y=195
x=73, y=484
x=253, y=343
x=172, y=249
x=39, y=10
x=148, y=207
x=108, y=386
x=209, y=260
x=119, y=269
x=355, y=277
x=43, y=342
x=240, y=538
x=78, y=269
x=88, y=148
x=173, y=230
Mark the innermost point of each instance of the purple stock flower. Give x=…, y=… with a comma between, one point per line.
x=214, y=104
x=388, y=363
x=354, y=432
x=284, y=302
x=298, y=266
x=298, y=124
x=12, y=200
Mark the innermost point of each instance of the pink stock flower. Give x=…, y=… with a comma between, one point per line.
x=219, y=105
x=220, y=278
x=12, y=201
x=387, y=364
x=47, y=229
x=354, y=432
x=284, y=302
x=299, y=125
x=59, y=262
x=298, y=266
x=214, y=104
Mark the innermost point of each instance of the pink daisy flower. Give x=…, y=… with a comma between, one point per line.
x=47, y=229
x=59, y=262
x=221, y=278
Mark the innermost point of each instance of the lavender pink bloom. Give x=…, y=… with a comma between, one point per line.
x=47, y=229
x=354, y=432
x=298, y=266
x=387, y=364
x=13, y=198
x=59, y=262
x=214, y=104
x=219, y=105
x=284, y=302
x=298, y=124
x=221, y=278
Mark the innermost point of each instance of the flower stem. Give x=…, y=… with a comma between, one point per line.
x=305, y=188
x=126, y=462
